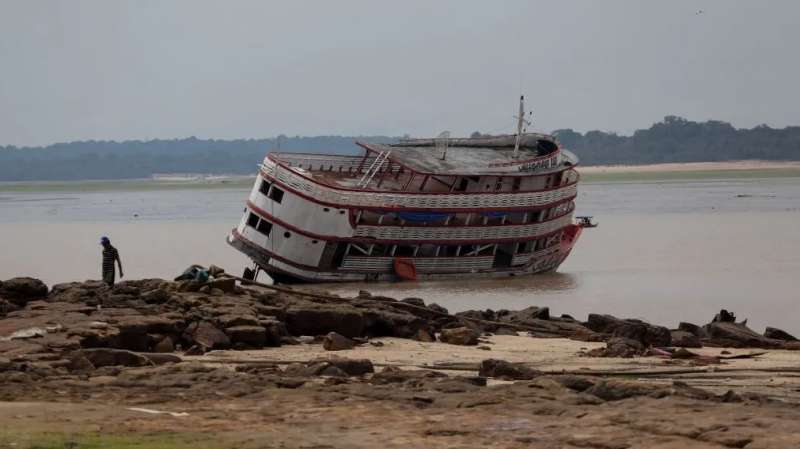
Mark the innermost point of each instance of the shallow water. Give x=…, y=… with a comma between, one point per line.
x=664, y=251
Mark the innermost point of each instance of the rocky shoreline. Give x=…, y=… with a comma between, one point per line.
x=195, y=346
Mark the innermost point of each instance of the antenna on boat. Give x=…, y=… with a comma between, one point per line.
x=442, y=141
x=520, y=122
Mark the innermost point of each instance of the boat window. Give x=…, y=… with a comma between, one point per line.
x=264, y=227
x=276, y=194
x=449, y=251
x=252, y=220
x=426, y=250
x=287, y=234
x=404, y=251
x=264, y=188
x=462, y=185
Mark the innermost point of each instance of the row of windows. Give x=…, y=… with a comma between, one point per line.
x=431, y=250
x=270, y=191
x=259, y=224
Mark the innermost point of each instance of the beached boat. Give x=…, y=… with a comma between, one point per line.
x=414, y=209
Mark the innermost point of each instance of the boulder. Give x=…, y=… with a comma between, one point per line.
x=419, y=302
x=526, y=314
x=254, y=336
x=604, y=324
x=156, y=296
x=164, y=344
x=21, y=290
x=238, y=319
x=227, y=285
x=353, y=367
x=616, y=390
x=207, y=335
x=646, y=334
x=500, y=369
x=437, y=308
x=308, y=318
x=162, y=359
x=618, y=347
x=100, y=357
x=274, y=332
x=459, y=336
x=683, y=339
x=693, y=329
x=724, y=317
x=425, y=335
x=736, y=335
x=381, y=320
x=337, y=342
x=778, y=334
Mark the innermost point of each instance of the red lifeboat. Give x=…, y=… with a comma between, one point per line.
x=405, y=268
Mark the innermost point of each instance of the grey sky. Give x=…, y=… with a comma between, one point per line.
x=76, y=70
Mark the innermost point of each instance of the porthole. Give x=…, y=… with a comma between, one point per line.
x=326, y=210
x=287, y=234
x=341, y=212
x=314, y=242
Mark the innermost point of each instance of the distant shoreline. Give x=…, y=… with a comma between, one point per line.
x=749, y=169
x=692, y=166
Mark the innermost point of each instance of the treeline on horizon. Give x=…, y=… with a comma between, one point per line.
x=673, y=140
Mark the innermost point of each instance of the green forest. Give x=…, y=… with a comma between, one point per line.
x=672, y=140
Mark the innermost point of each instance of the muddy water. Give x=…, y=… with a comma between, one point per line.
x=665, y=252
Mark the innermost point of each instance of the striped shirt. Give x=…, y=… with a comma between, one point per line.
x=110, y=255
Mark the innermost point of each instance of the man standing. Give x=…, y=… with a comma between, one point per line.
x=110, y=255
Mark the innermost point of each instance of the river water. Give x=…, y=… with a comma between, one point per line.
x=664, y=251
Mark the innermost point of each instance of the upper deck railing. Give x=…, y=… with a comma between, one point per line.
x=305, y=185
x=468, y=233
x=331, y=163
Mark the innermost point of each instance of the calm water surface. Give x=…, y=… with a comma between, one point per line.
x=664, y=252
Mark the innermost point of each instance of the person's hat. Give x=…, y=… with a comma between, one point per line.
x=104, y=240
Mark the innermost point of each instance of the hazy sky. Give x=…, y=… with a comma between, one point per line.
x=75, y=70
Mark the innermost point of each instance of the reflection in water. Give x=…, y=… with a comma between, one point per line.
x=549, y=283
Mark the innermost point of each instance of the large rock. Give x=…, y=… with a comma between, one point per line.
x=100, y=357
x=335, y=366
x=683, y=339
x=616, y=390
x=274, y=331
x=693, y=329
x=353, y=367
x=736, y=335
x=308, y=318
x=381, y=320
x=645, y=333
x=604, y=324
x=500, y=369
x=619, y=347
x=227, y=285
x=526, y=314
x=22, y=290
x=254, y=336
x=778, y=334
x=337, y=342
x=207, y=335
x=459, y=336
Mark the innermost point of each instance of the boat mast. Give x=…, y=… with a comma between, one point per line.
x=520, y=122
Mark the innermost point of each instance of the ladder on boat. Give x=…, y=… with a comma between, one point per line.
x=374, y=168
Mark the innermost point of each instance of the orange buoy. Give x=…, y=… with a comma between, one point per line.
x=405, y=269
